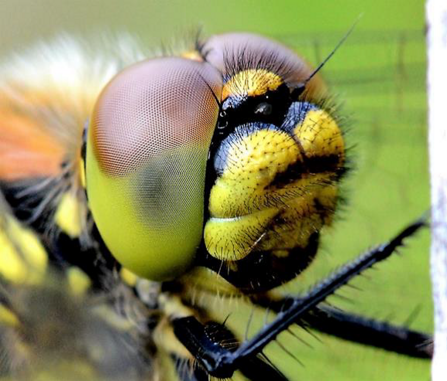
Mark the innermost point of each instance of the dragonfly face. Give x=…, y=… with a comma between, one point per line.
x=209, y=175
x=260, y=179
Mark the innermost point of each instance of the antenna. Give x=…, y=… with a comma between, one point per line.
x=301, y=87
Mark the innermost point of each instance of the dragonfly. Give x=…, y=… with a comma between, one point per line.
x=121, y=313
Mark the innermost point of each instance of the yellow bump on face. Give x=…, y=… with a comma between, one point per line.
x=287, y=175
x=253, y=162
x=236, y=235
x=300, y=218
x=147, y=151
x=320, y=135
x=251, y=82
x=234, y=53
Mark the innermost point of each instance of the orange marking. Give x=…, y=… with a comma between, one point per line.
x=26, y=149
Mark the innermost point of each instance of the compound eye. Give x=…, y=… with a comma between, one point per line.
x=147, y=150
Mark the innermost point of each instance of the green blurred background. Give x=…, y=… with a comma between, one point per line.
x=378, y=76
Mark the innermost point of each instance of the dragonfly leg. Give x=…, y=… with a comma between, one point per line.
x=210, y=342
x=220, y=362
x=359, y=329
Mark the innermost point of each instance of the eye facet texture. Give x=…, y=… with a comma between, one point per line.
x=146, y=161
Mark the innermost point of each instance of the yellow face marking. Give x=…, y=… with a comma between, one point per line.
x=320, y=135
x=237, y=236
x=252, y=82
x=252, y=165
x=273, y=193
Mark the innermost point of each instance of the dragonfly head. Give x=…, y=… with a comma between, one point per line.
x=225, y=162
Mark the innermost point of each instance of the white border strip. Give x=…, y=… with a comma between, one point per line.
x=437, y=98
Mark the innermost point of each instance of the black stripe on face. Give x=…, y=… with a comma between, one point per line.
x=296, y=115
x=271, y=107
x=313, y=165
